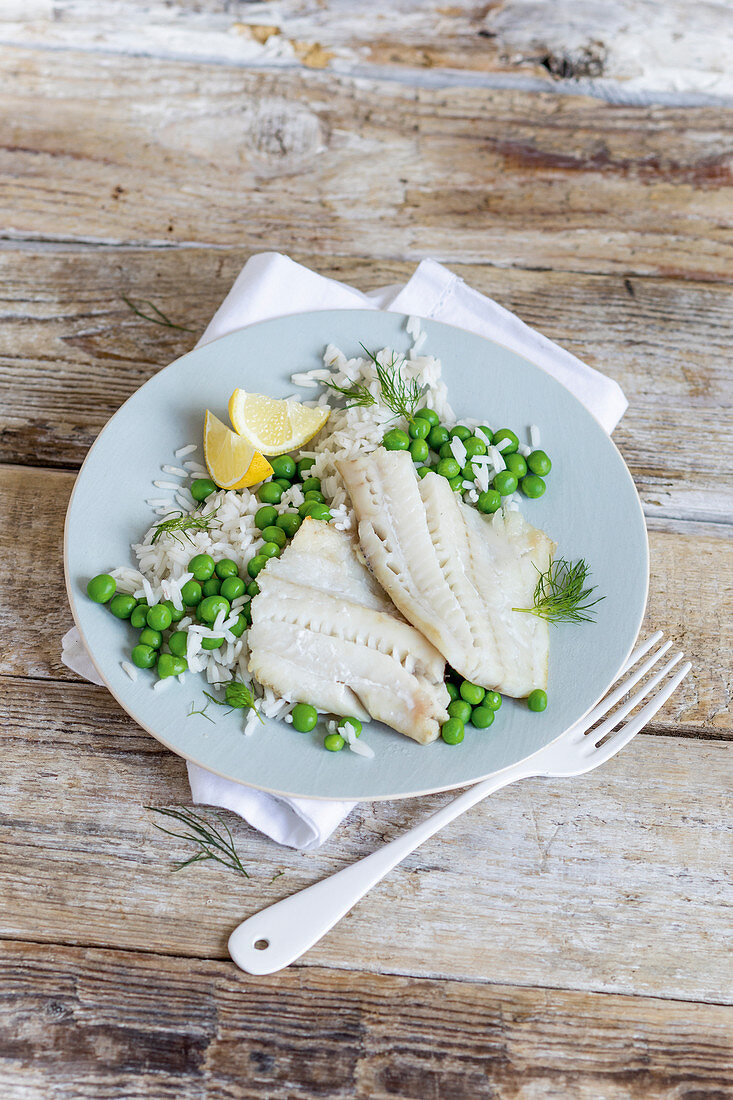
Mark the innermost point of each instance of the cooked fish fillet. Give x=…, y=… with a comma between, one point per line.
x=453, y=573
x=323, y=632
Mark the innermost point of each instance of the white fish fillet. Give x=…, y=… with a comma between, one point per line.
x=453, y=573
x=323, y=632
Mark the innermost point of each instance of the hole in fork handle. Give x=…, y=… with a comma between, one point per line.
x=261, y=945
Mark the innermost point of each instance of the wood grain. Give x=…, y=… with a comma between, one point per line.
x=614, y=882
x=690, y=582
x=110, y=1023
x=324, y=163
x=627, y=48
x=71, y=351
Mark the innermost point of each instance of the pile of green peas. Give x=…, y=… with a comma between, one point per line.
x=469, y=703
x=428, y=442
x=305, y=717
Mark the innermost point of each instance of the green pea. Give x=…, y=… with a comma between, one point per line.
x=419, y=429
x=537, y=699
x=315, y=510
x=419, y=450
x=265, y=517
x=255, y=565
x=452, y=731
x=539, y=463
x=303, y=465
x=437, y=436
x=202, y=488
x=354, y=722
x=138, y=618
x=424, y=471
x=312, y=483
x=212, y=587
x=334, y=742
x=492, y=700
x=448, y=467
x=244, y=620
x=283, y=483
x=269, y=550
x=226, y=568
x=505, y=482
x=289, y=522
x=314, y=494
x=460, y=709
x=144, y=656
x=177, y=642
x=212, y=643
x=482, y=717
x=170, y=665
x=430, y=415
x=177, y=613
x=469, y=471
x=202, y=567
x=396, y=440
x=517, y=464
x=304, y=717
x=472, y=693
x=211, y=608
x=276, y=535
x=269, y=493
x=122, y=606
x=461, y=432
x=151, y=637
x=253, y=589
x=232, y=588
x=142, y=602
x=452, y=690
x=474, y=446
x=284, y=466
x=487, y=432
x=501, y=435
x=191, y=593
x=159, y=617
x=101, y=588
x=456, y=483
x=446, y=451
x=533, y=486
x=489, y=501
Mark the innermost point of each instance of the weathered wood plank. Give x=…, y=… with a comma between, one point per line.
x=614, y=49
x=325, y=163
x=690, y=579
x=110, y=1023
x=71, y=352
x=616, y=881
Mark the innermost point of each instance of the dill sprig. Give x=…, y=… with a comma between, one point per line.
x=357, y=394
x=212, y=842
x=203, y=710
x=237, y=696
x=157, y=317
x=401, y=395
x=174, y=523
x=561, y=595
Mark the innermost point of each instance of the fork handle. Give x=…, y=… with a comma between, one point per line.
x=289, y=928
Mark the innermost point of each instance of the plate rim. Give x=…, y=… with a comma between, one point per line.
x=368, y=797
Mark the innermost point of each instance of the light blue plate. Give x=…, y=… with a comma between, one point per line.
x=590, y=509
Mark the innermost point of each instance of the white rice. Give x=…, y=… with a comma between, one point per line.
x=534, y=437
x=129, y=669
x=187, y=450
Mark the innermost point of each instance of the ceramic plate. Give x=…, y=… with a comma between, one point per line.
x=591, y=509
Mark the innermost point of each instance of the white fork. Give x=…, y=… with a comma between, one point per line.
x=280, y=934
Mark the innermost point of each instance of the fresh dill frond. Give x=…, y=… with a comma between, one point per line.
x=157, y=317
x=212, y=842
x=401, y=395
x=175, y=523
x=357, y=393
x=561, y=595
x=202, y=712
x=237, y=696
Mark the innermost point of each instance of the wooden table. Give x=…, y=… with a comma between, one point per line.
x=566, y=939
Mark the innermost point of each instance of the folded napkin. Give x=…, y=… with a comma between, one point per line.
x=271, y=285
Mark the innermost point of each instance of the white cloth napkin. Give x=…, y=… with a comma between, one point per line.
x=271, y=285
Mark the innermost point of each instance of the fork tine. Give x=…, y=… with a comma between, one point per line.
x=618, y=693
x=605, y=728
x=622, y=737
x=640, y=651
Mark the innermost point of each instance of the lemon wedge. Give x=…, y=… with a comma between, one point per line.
x=271, y=425
x=231, y=460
